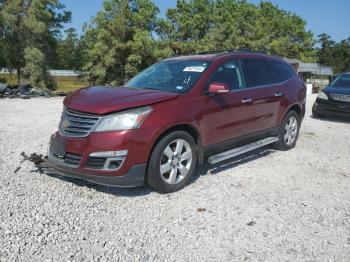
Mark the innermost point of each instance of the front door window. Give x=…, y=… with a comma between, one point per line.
x=229, y=73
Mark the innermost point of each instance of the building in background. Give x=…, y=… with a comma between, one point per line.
x=311, y=73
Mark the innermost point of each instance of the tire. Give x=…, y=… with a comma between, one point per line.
x=169, y=170
x=288, y=133
x=315, y=113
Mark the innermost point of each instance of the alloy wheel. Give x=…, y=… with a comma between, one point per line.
x=176, y=161
x=291, y=130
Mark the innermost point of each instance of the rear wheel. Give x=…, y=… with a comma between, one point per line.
x=172, y=162
x=289, y=131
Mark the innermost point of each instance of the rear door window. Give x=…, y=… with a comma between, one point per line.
x=281, y=71
x=256, y=72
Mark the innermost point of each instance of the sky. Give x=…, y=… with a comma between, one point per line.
x=322, y=16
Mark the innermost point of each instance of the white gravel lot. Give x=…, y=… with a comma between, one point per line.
x=265, y=206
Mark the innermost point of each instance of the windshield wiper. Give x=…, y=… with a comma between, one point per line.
x=151, y=88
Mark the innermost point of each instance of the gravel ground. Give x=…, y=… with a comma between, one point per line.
x=265, y=206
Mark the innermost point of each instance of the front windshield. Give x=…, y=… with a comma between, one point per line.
x=342, y=81
x=171, y=75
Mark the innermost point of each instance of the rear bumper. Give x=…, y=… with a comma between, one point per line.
x=332, y=108
x=135, y=177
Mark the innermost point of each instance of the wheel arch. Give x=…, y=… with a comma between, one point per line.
x=295, y=107
x=182, y=127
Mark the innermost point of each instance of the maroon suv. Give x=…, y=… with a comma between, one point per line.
x=175, y=115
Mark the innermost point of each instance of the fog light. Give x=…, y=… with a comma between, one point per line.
x=115, y=164
x=110, y=154
x=108, y=160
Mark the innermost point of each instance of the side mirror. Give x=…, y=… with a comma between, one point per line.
x=218, y=88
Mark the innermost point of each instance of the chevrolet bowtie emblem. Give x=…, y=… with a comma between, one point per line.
x=66, y=124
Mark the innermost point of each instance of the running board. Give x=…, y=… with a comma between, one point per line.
x=241, y=150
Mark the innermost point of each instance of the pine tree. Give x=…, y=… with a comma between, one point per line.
x=120, y=41
x=30, y=29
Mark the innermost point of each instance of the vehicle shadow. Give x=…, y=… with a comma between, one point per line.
x=334, y=119
x=214, y=169
x=128, y=192
x=205, y=169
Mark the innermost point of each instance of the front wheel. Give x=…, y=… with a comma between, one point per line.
x=315, y=113
x=289, y=131
x=172, y=162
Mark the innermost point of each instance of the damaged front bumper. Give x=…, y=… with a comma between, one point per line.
x=133, y=178
x=110, y=158
x=330, y=107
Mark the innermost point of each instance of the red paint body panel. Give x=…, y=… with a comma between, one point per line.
x=216, y=118
x=102, y=100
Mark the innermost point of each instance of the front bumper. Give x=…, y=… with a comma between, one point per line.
x=133, y=178
x=131, y=173
x=330, y=107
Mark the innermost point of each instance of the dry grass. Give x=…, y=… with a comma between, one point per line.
x=64, y=83
x=69, y=83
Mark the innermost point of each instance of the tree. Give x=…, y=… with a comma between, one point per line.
x=186, y=27
x=342, y=55
x=13, y=44
x=284, y=34
x=30, y=27
x=335, y=55
x=36, y=70
x=120, y=41
x=203, y=25
x=2, y=57
x=325, y=52
x=70, y=51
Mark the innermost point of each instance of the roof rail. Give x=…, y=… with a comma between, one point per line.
x=221, y=52
x=225, y=51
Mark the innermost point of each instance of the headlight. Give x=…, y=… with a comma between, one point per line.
x=124, y=120
x=322, y=95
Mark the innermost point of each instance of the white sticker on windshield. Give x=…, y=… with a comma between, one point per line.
x=198, y=69
x=179, y=87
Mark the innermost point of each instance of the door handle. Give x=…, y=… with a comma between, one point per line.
x=247, y=100
x=279, y=94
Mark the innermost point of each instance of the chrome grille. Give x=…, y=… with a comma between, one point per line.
x=76, y=124
x=340, y=97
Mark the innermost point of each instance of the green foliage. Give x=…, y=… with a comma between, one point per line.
x=30, y=27
x=126, y=36
x=70, y=51
x=2, y=56
x=35, y=70
x=336, y=55
x=120, y=42
x=203, y=25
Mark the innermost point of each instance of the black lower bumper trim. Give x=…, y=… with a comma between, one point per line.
x=134, y=178
x=332, y=109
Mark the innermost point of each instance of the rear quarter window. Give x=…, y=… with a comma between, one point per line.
x=256, y=72
x=281, y=71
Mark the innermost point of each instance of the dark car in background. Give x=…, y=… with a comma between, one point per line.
x=175, y=115
x=334, y=99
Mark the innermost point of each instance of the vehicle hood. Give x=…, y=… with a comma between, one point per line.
x=102, y=100
x=337, y=90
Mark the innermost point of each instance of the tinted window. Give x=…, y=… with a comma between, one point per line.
x=170, y=75
x=256, y=72
x=342, y=81
x=229, y=73
x=281, y=71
